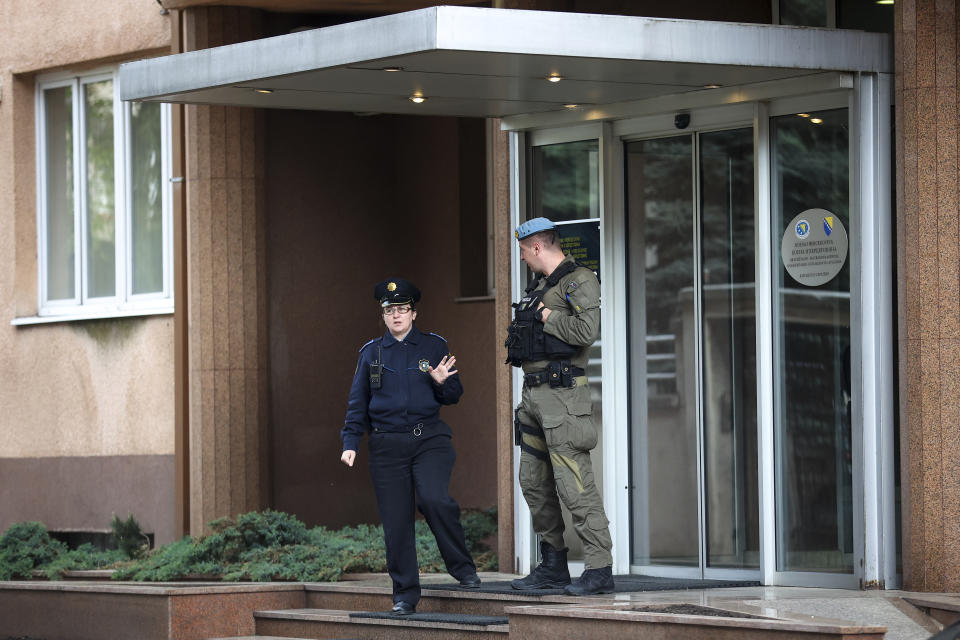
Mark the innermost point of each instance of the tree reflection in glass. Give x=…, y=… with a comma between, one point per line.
x=812, y=433
x=147, y=215
x=101, y=217
x=566, y=181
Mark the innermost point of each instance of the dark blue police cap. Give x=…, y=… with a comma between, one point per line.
x=396, y=291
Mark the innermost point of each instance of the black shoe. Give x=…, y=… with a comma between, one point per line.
x=402, y=608
x=471, y=581
x=551, y=573
x=592, y=582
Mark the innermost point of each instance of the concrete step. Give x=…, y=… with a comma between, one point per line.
x=256, y=638
x=333, y=623
x=632, y=621
x=943, y=609
x=349, y=597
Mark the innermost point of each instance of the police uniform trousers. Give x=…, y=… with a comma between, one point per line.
x=410, y=472
x=555, y=459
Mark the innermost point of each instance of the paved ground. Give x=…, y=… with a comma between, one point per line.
x=903, y=621
x=863, y=610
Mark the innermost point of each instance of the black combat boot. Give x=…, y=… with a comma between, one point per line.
x=551, y=573
x=592, y=582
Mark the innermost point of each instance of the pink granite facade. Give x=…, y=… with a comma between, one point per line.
x=928, y=290
x=226, y=300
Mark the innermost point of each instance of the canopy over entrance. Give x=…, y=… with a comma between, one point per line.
x=467, y=61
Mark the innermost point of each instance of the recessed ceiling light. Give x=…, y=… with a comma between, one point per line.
x=712, y=86
x=417, y=99
x=570, y=106
x=264, y=90
x=816, y=120
x=804, y=115
x=554, y=77
x=392, y=69
x=884, y=1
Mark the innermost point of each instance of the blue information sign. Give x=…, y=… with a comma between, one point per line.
x=582, y=241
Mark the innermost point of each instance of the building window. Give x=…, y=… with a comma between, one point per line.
x=863, y=15
x=103, y=199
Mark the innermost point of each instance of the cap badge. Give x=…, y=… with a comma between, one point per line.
x=392, y=286
x=424, y=365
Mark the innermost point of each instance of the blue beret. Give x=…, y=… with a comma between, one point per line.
x=396, y=291
x=535, y=225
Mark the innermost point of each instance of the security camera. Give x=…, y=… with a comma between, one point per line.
x=681, y=120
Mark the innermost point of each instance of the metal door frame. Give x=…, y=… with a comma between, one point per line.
x=662, y=126
x=868, y=96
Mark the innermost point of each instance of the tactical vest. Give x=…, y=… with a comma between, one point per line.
x=526, y=339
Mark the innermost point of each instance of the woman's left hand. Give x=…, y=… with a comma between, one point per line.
x=444, y=369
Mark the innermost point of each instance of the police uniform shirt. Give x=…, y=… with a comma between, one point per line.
x=408, y=393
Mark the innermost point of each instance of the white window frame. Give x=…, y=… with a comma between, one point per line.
x=124, y=302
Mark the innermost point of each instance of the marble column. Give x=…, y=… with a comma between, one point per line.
x=928, y=291
x=226, y=290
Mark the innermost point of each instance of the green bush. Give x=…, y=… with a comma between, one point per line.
x=24, y=547
x=270, y=545
x=27, y=546
x=84, y=557
x=128, y=537
x=259, y=546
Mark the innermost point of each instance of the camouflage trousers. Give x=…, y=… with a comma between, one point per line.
x=557, y=437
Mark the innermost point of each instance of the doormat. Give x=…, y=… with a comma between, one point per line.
x=686, y=609
x=453, y=618
x=622, y=584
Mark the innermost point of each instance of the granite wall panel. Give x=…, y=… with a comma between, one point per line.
x=226, y=291
x=929, y=301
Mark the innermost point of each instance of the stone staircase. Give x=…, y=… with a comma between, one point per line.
x=263, y=611
x=347, y=611
x=327, y=623
x=343, y=611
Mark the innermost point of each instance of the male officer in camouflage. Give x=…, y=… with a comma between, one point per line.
x=554, y=423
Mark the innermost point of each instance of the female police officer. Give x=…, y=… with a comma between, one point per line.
x=402, y=378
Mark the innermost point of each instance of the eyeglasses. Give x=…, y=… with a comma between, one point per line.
x=389, y=311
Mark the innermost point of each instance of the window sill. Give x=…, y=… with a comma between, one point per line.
x=99, y=314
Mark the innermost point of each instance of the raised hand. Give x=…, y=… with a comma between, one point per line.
x=444, y=369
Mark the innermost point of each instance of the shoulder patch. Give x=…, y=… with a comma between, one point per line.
x=582, y=291
x=367, y=345
x=581, y=277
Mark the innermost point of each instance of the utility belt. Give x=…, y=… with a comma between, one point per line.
x=416, y=429
x=559, y=373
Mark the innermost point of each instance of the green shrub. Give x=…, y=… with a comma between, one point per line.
x=27, y=546
x=270, y=545
x=169, y=562
x=254, y=530
x=259, y=546
x=24, y=547
x=128, y=537
x=478, y=525
x=84, y=557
